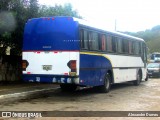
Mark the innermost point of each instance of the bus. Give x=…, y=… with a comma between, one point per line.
x=71, y=52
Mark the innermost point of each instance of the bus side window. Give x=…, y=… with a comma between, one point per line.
x=130, y=47
x=145, y=54
x=133, y=47
x=114, y=44
x=103, y=42
x=90, y=40
x=109, y=43
x=83, y=38
x=141, y=48
x=142, y=51
x=137, y=48
x=125, y=46
x=119, y=45
x=95, y=42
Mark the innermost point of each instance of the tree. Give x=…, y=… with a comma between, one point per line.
x=151, y=36
x=15, y=13
x=58, y=10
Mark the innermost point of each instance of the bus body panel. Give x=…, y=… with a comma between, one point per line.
x=93, y=69
x=56, y=60
x=48, y=34
x=39, y=61
x=125, y=68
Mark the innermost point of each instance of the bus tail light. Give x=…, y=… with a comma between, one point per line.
x=24, y=65
x=72, y=65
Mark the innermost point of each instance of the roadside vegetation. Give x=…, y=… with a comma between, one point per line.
x=151, y=36
x=15, y=13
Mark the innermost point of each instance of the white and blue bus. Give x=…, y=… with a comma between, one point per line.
x=72, y=53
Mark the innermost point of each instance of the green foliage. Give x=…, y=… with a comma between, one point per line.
x=58, y=10
x=152, y=38
x=15, y=13
x=154, y=45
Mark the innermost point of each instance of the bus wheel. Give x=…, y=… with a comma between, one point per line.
x=68, y=87
x=137, y=82
x=107, y=83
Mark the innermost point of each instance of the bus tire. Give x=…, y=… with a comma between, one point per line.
x=138, y=81
x=107, y=84
x=68, y=87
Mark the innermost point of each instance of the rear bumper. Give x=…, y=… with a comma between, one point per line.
x=50, y=78
x=154, y=73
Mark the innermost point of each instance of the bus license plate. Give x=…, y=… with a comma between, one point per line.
x=47, y=67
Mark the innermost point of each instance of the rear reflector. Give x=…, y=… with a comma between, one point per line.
x=65, y=73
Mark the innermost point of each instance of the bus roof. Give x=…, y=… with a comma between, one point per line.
x=88, y=24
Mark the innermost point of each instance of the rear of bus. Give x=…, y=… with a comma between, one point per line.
x=51, y=50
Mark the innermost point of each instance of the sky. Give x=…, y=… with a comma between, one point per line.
x=130, y=15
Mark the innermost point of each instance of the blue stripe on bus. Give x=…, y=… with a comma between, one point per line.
x=93, y=69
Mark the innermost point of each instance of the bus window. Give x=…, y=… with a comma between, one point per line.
x=95, y=45
x=142, y=51
x=140, y=48
x=133, y=47
x=83, y=38
x=145, y=54
x=114, y=44
x=120, y=45
x=109, y=43
x=103, y=42
x=130, y=47
x=125, y=46
x=93, y=41
x=137, y=48
x=90, y=40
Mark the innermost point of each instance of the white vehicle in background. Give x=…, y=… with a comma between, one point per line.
x=155, y=57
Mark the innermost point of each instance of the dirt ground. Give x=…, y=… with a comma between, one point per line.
x=122, y=97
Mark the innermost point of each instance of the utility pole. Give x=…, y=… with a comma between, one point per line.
x=115, y=25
